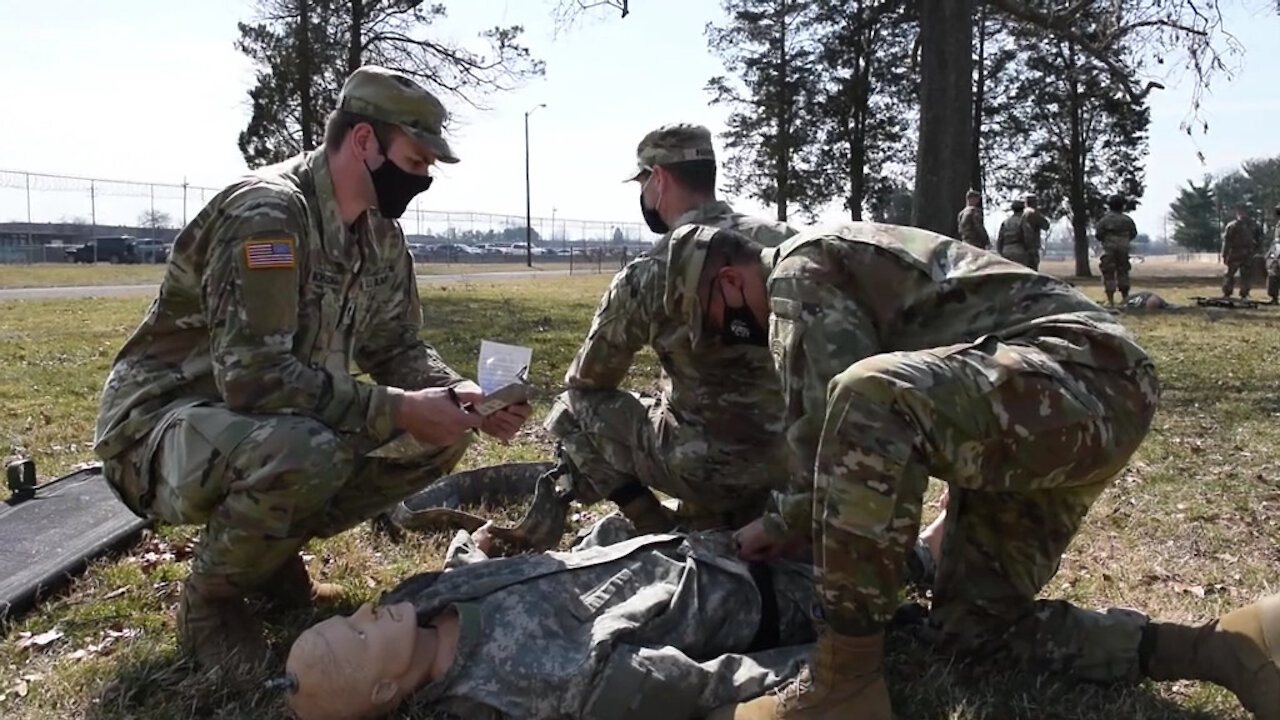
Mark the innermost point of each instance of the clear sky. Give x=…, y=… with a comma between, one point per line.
x=153, y=90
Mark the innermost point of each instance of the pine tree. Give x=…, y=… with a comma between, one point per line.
x=1195, y=217
x=304, y=50
x=771, y=89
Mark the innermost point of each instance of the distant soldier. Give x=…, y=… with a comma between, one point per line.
x=972, y=228
x=1011, y=240
x=1273, y=263
x=1239, y=244
x=1034, y=225
x=1115, y=230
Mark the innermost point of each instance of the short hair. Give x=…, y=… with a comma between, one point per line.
x=697, y=176
x=1116, y=203
x=726, y=248
x=341, y=122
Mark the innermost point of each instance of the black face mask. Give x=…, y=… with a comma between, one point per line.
x=394, y=186
x=653, y=219
x=740, y=326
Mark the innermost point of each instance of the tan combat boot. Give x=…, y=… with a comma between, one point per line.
x=292, y=587
x=1239, y=651
x=844, y=682
x=215, y=627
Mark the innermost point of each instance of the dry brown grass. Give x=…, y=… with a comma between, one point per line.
x=1192, y=530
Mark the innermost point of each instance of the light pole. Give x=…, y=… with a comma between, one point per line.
x=528, y=207
x=553, y=225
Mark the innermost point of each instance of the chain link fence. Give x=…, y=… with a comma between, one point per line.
x=63, y=218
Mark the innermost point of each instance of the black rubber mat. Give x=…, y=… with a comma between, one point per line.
x=50, y=536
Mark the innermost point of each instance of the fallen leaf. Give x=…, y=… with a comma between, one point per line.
x=370, y=582
x=27, y=639
x=21, y=688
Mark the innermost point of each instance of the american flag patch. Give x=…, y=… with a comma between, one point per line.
x=262, y=254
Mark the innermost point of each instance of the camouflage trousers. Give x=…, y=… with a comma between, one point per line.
x=1115, y=267
x=616, y=438
x=1241, y=266
x=1022, y=255
x=1026, y=444
x=262, y=485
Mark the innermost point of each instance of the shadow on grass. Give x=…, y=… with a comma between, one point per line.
x=926, y=685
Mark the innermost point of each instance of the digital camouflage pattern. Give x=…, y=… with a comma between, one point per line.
x=671, y=144
x=1239, y=245
x=656, y=626
x=713, y=437
x=903, y=355
x=972, y=229
x=242, y=366
x=1114, y=232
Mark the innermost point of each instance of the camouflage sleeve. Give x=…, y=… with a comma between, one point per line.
x=966, y=225
x=1039, y=220
x=392, y=352
x=817, y=332
x=250, y=288
x=1130, y=228
x=619, y=329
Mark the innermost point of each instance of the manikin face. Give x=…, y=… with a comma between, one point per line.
x=354, y=667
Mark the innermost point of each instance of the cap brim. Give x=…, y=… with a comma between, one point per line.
x=635, y=173
x=438, y=145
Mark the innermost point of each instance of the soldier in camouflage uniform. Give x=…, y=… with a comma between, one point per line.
x=657, y=626
x=1239, y=245
x=1011, y=238
x=1033, y=228
x=712, y=438
x=972, y=228
x=1273, y=263
x=233, y=404
x=1115, y=231
x=904, y=354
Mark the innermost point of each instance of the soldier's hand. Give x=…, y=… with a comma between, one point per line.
x=432, y=416
x=506, y=422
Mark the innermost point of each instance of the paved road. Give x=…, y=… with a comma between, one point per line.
x=74, y=291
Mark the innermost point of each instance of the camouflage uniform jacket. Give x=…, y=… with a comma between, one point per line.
x=266, y=300
x=1239, y=242
x=730, y=391
x=849, y=292
x=1011, y=233
x=1115, y=231
x=613, y=631
x=972, y=229
x=1034, y=224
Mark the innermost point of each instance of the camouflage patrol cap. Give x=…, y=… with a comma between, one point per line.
x=396, y=98
x=672, y=144
x=686, y=254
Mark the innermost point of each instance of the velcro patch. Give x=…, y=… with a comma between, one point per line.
x=267, y=253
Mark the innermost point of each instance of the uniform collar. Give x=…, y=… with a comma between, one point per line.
x=335, y=237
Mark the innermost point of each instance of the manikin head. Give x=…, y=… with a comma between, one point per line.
x=356, y=667
x=676, y=169
x=717, y=279
x=381, y=141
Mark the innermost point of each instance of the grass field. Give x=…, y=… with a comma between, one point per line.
x=1191, y=530
x=66, y=274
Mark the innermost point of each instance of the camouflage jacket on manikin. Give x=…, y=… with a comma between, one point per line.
x=840, y=294
x=1033, y=225
x=265, y=302
x=729, y=391
x=1115, y=231
x=972, y=229
x=655, y=626
x=1239, y=240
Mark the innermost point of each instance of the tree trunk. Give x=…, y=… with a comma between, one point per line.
x=979, y=99
x=355, y=44
x=307, y=114
x=782, y=159
x=1079, y=211
x=944, y=155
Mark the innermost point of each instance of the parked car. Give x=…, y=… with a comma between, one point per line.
x=115, y=249
x=152, y=250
